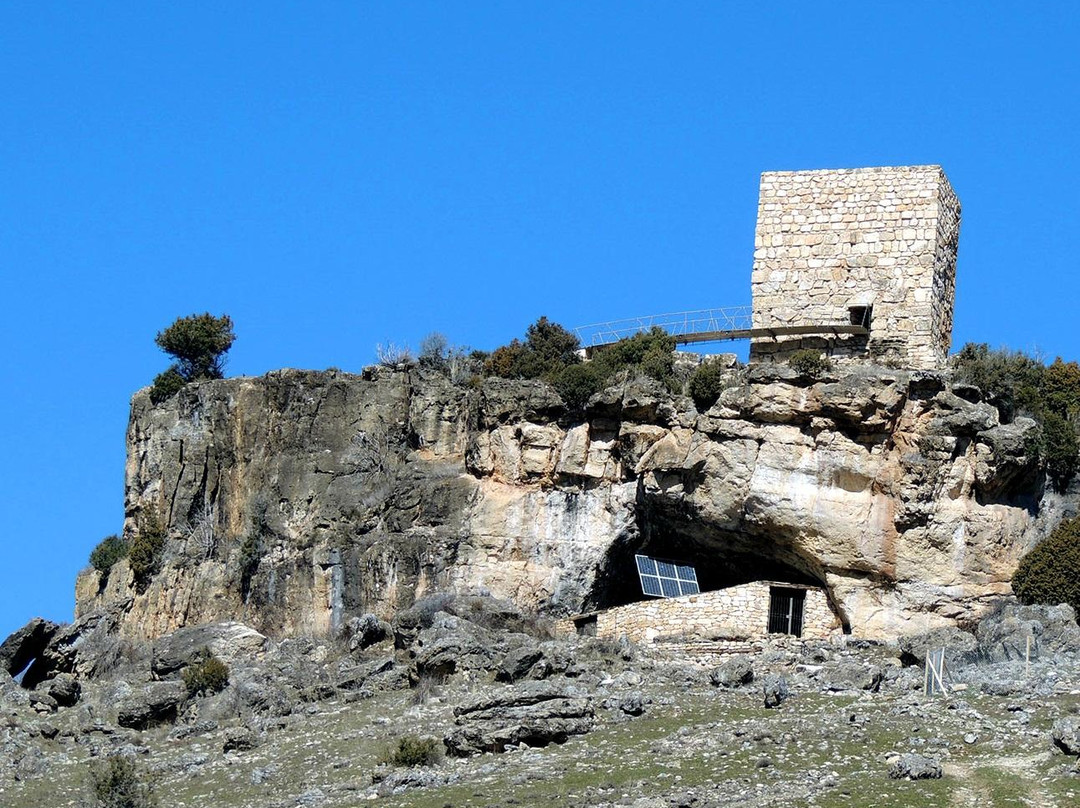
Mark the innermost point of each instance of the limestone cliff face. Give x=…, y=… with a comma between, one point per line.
x=297, y=499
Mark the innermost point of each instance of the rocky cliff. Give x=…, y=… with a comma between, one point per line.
x=295, y=500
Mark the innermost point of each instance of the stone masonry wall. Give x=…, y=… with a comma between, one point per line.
x=738, y=612
x=830, y=240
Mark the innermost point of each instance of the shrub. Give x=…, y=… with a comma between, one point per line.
x=809, y=362
x=109, y=550
x=706, y=384
x=1010, y=380
x=433, y=350
x=1016, y=383
x=166, y=385
x=116, y=783
x=146, y=550
x=548, y=348
x=199, y=343
x=208, y=675
x=412, y=751
x=578, y=383
x=391, y=355
x=1059, y=449
x=1050, y=573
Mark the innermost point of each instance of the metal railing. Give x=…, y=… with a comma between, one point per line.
x=683, y=323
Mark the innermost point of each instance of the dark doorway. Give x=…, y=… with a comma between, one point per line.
x=860, y=315
x=786, y=610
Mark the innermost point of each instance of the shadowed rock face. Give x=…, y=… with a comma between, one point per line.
x=299, y=499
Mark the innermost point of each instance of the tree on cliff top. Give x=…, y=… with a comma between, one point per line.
x=199, y=343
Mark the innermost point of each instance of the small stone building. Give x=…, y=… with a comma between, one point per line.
x=745, y=612
x=856, y=262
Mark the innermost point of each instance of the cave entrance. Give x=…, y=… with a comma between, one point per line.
x=785, y=581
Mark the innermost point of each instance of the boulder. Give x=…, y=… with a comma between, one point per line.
x=25, y=645
x=452, y=645
x=367, y=630
x=231, y=642
x=65, y=688
x=775, y=690
x=1002, y=634
x=733, y=672
x=156, y=703
x=518, y=662
x=537, y=714
x=912, y=766
x=960, y=647
x=851, y=676
x=239, y=739
x=1066, y=734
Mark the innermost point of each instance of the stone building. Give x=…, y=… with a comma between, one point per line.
x=856, y=262
x=735, y=613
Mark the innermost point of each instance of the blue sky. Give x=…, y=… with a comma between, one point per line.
x=334, y=175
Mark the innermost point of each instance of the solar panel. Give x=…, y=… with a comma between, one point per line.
x=665, y=579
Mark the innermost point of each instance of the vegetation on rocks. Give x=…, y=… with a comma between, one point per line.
x=809, y=362
x=551, y=352
x=145, y=551
x=412, y=751
x=108, y=551
x=198, y=343
x=1018, y=384
x=1050, y=573
x=205, y=676
x=706, y=384
x=116, y=783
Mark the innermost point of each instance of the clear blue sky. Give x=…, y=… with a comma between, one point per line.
x=334, y=175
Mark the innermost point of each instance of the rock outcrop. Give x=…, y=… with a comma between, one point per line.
x=298, y=500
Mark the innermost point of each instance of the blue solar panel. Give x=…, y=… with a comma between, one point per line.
x=650, y=585
x=689, y=587
x=665, y=579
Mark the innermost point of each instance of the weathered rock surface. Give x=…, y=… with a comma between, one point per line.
x=297, y=500
x=912, y=766
x=26, y=645
x=1066, y=734
x=535, y=714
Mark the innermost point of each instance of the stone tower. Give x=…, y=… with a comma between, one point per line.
x=856, y=263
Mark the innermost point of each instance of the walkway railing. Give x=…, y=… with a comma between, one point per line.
x=714, y=325
x=678, y=324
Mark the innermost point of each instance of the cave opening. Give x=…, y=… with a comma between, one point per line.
x=722, y=558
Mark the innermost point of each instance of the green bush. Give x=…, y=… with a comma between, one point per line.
x=1019, y=384
x=578, y=383
x=550, y=352
x=706, y=384
x=251, y=552
x=109, y=550
x=199, y=343
x=1059, y=449
x=809, y=362
x=1010, y=380
x=116, y=783
x=208, y=675
x=1050, y=573
x=412, y=750
x=145, y=551
x=166, y=385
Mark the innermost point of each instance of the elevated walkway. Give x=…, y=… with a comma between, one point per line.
x=706, y=325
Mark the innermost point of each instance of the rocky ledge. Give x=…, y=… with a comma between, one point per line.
x=296, y=500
